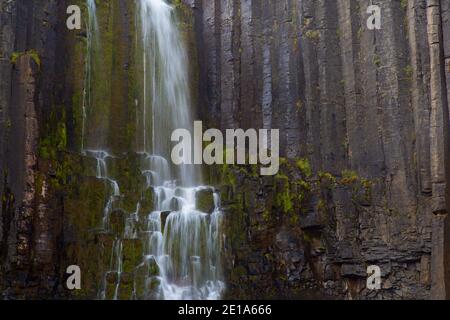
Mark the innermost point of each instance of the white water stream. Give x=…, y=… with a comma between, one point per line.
x=182, y=245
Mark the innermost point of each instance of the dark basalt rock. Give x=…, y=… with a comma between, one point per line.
x=204, y=200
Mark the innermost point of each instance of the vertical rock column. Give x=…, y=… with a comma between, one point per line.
x=439, y=154
x=21, y=163
x=7, y=39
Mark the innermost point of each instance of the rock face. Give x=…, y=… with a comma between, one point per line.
x=363, y=117
x=29, y=214
x=345, y=98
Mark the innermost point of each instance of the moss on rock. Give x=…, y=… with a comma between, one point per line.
x=204, y=200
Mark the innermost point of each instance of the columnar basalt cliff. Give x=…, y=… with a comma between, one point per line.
x=349, y=101
x=363, y=117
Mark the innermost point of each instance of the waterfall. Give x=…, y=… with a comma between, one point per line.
x=166, y=91
x=184, y=242
x=180, y=235
x=92, y=42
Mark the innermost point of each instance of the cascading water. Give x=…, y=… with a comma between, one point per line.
x=186, y=242
x=181, y=234
x=165, y=81
x=92, y=41
x=183, y=242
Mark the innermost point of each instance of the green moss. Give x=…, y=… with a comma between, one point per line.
x=321, y=206
x=346, y=144
x=14, y=57
x=404, y=4
x=32, y=53
x=285, y=200
x=204, y=200
x=304, y=185
x=367, y=185
x=307, y=22
x=327, y=179
x=304, y=166
x=53, y=146
x=282, y=176
x=228, y=176
x=54, y=140
x=284, y=197
x=266, y=215
x=132, y=254
x=147, y=200
x=313, y=35
x=77, y=111
x=39, y=180
x=349, y=177
x=255, y=171
x=377, y=60
x=408, y=70
x=360, y=33
x=294, y=220
x=35, y=56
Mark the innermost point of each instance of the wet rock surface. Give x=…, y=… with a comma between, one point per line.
x=205, y=200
